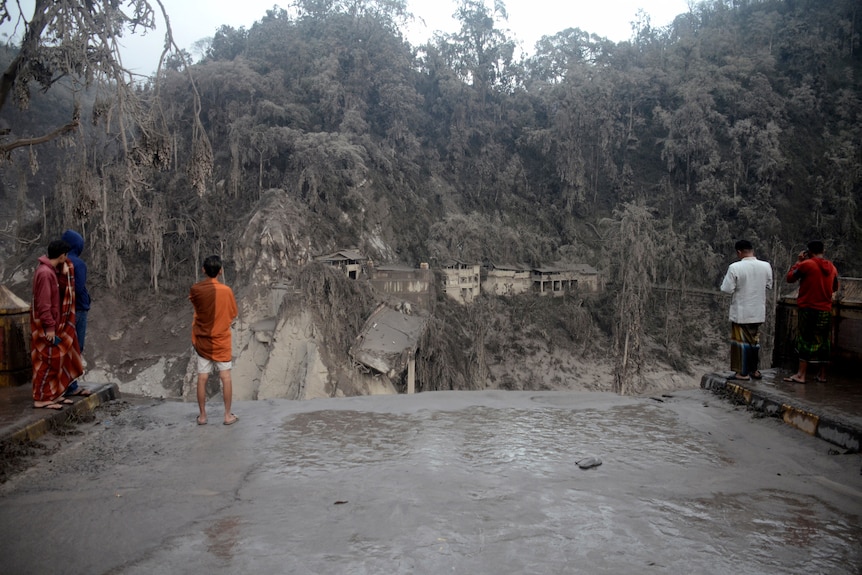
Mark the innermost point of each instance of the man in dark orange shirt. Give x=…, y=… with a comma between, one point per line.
x=215, y=310
x=818, y=280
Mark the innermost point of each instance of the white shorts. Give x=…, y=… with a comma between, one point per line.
x=206, y=365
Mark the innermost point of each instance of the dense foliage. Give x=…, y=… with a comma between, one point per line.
x=742, y=119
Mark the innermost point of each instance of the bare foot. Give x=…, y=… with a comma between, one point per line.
x=47, y=405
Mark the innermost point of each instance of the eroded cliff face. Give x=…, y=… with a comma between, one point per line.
x=290, y=343
x=291, y=339
x=275, y=243
x=277, y=356
x=286, y=359
x=281, y=360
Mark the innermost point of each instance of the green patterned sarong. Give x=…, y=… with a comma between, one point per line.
x=814, y=329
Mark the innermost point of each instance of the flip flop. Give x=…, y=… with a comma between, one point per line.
x=818, y=380
x=232, y=421
x=198, y=419
x=82, y=391
x=793, y=380
x=64, y=401
x=51, y=406
x=740, y=377
x=757, y=375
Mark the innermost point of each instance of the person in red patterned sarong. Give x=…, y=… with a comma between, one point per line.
x=53, y=340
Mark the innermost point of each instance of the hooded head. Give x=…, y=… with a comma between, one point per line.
x=75, y=240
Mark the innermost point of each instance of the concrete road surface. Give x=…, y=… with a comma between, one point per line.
x=445, y=482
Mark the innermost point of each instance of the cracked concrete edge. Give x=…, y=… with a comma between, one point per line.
x=822, y=426
x=40, y=427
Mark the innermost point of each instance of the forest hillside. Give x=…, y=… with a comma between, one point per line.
x=321, y=128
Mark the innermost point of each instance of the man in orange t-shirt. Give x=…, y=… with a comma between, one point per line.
x=215, y=310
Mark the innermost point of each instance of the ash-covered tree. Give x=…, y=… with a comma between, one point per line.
x=633, y=253
x=76, y=44
x=475, y=71
x=119, y=133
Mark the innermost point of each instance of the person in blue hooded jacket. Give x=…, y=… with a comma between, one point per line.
x=82, y=297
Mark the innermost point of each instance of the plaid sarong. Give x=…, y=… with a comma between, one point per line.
x=56, y=366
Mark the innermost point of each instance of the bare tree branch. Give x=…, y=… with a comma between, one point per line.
x=6, y=148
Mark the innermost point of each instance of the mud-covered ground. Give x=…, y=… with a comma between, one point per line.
x=17, y=456
x=478, y=482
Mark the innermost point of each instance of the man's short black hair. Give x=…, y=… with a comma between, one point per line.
x=744, y=246
x=815, y=247
x=212, y=266
x=57, y=248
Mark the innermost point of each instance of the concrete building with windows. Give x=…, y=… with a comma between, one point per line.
x=558, y=280
x=462, y=281
x=514, y=279
x=507, y=279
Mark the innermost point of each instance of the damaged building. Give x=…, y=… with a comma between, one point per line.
x=386, y=346
x=352, y=262
x=515, y=279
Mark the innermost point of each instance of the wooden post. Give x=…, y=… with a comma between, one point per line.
x=411, y=373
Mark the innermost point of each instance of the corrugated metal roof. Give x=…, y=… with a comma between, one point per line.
x=396, y=268
x=511, y=267
x=454, y=263
x=579, y=268
x=341, y=256
x=556, y=268
x=851, y=290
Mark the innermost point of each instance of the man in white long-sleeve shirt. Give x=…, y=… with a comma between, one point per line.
x=747, y=281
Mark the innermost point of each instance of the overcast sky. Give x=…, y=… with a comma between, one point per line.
x=529, y=20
